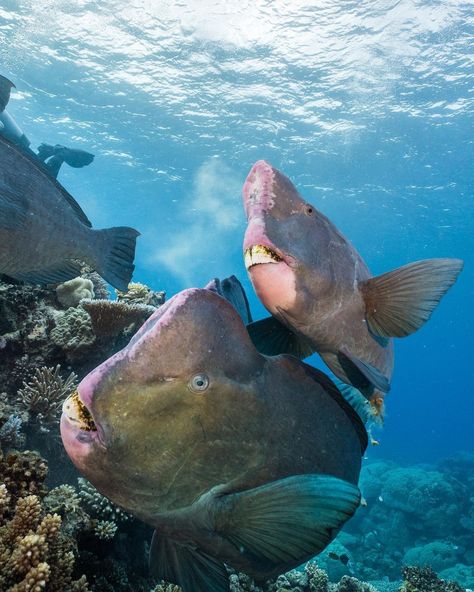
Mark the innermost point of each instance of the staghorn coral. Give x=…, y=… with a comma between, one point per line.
x=70, y=293
x=110, y=317
x=45, y=393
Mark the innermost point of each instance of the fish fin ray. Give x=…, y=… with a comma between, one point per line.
x=13, y=208
x=66, y=270
x=399, y=302
x=290, y=520
x=115, y=255
x=232, y=290
x=186, y=565
x=272, y=338
x=362, y=374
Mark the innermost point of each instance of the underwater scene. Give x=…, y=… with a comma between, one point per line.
x=236, y=293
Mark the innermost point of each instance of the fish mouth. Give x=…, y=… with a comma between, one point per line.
x=78, y=414
x=260, y=255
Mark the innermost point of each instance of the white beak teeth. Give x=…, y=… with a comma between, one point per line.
x=258, y=255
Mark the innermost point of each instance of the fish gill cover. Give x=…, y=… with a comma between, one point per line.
x=366, y=107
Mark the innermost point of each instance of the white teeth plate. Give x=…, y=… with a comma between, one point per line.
x=260, y=254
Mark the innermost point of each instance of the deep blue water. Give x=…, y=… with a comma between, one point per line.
x=366, y=105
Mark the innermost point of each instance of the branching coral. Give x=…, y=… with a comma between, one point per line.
x=34, y=554
x=98, y=505
x=23, y=474
x=44, y=394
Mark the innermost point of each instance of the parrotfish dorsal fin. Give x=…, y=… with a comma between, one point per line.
x=287, y=521
x=399, y=302
x=187, y=566
x=272, y=338
x=232, y=290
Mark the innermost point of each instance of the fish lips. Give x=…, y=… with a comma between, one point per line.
x=78, y=423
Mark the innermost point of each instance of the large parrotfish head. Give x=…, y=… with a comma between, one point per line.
x=148, y=426
x=286, y=245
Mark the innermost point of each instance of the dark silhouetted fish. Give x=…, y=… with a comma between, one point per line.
x=44, y=232
x=233, y=457
x=321, y=293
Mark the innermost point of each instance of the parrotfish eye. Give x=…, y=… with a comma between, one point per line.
x=308, y=210
x=199, y=383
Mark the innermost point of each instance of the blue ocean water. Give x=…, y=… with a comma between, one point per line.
x=365, y=105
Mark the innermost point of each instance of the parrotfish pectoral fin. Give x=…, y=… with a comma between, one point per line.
x=361, y=374
x=272, y=338
x=50, y=275
x=115, y=253
x=232, y=290
x=401, y=301
x=287, y=521
x=187, y=566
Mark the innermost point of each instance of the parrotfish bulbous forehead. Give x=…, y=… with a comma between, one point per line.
x=266, y=188
x=195, y=331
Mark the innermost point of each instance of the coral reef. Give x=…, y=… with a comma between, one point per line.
x=69, y=537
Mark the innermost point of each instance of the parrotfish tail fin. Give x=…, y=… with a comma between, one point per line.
x=272, y=338
x=114, y=253
x=401, y=301
x=46, y=151
x=284, y=523
x=232, y=290
x=74, y=157
x=356, y=400
x=5, y=90
x=186, y=566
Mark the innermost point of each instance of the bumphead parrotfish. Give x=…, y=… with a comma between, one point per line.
x=233, y=457
x=44, y=232
x=320, y=292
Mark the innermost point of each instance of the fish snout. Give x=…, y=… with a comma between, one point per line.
x=257, y=191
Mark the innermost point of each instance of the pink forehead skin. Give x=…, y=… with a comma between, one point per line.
x=148, y=332
x=257, y=191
